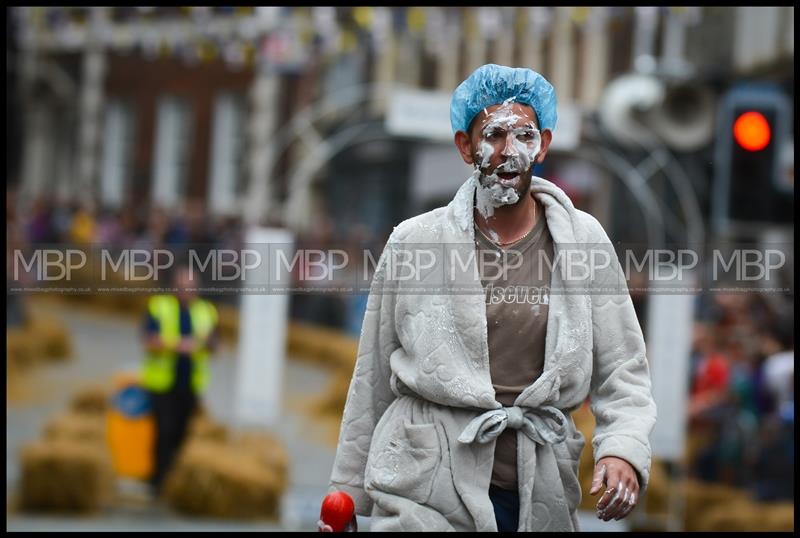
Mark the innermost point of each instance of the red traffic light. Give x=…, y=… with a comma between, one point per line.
x=752, y=131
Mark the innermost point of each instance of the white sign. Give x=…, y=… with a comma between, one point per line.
x=670, y=318
x=567, y=135
x=262, y=342
x=418, y=113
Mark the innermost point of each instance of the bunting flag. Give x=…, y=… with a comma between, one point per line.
x=470, y=26
x=363, y=16
x=300, y=31
x=579, y=15
x=207, y=51
x=415, y=19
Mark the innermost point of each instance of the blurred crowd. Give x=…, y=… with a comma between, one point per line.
x=48, y=220
x=741, y=410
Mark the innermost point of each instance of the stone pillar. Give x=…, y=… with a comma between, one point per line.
x=594, y=57
x=264, y=96
x=562, y=56
x=536, y=30
x=91, y=105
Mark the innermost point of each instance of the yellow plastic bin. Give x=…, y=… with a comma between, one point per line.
x=131, y=430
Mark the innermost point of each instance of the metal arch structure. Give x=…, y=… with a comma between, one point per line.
x=317, y=147
x=639, y=175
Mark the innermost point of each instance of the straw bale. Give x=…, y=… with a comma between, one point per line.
x=55, y=342
x=267, y=450
x=202, y=426
x=778, y=517
x=21, y=350
x=77, y=427
x=91, y=400
x=227, y=481
x=701, y=499
x=61, y=475
x=331, y=402
x=228, y=322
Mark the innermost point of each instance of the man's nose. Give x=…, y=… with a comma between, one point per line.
x=508, y=147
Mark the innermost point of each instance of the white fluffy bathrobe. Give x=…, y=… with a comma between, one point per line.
x=416, y=446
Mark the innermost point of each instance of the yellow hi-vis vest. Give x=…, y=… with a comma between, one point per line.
x=158, y=374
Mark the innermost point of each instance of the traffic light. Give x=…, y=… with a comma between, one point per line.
x=752, y=187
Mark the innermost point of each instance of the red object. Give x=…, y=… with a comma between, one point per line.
x=338, y=511
x=752, y=131
x=712, y=374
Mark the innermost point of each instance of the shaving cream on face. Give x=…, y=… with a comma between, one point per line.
x=489, y=197
x=492, y=191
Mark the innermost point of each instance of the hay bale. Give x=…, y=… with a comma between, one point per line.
x=77, y=427
x=778, y=517
x=21, y=350
x=226, y=481
x=323, y=346
x=342, y=352
x=64, y=476
x=656, y=498
x=702, y=498
x=268, y=451
x=331, y=403
x=746, y=515
x=203, y=427
x=228, y=322
x=55, y=343
x=93, y=400
x=739, y=516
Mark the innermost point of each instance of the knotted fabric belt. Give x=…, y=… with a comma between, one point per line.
x=544, y=424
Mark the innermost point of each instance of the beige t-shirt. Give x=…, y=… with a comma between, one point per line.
x=516, y=311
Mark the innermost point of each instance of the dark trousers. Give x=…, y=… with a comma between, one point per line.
x=506, y=508
x=172, y=411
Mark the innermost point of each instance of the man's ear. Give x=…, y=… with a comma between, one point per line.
x=547, y=137
x=462, y=142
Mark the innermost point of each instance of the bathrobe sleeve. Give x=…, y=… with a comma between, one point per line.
x=620, y=395
x=370, y=393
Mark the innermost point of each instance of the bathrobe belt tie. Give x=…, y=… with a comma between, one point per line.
x=544, y=424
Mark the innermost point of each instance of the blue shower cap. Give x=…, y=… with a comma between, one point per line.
x=492, y=84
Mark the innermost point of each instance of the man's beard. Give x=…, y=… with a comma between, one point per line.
x=493, y=191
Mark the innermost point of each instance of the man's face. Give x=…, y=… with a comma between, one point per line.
x=185, y=284
x=504, y=142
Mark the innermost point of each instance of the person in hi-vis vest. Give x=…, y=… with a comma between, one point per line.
x=180, y=332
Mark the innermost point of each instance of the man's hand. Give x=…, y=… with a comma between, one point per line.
x=622, y=490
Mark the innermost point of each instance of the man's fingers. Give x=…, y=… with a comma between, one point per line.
x=605, y=499
x=613, y=482
x=611, y=506
x=630, y=504
x=618, y=503
x=597, y=481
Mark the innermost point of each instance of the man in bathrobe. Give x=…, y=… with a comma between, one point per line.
x=458, y=413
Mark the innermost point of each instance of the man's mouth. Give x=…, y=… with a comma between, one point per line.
x=507, y=177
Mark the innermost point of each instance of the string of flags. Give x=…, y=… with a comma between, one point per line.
x=285, y=37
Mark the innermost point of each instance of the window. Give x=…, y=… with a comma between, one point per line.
x=117, y=145
x=227, y=154
x=170, y=167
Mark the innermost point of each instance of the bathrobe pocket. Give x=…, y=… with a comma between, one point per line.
x=405, y=460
